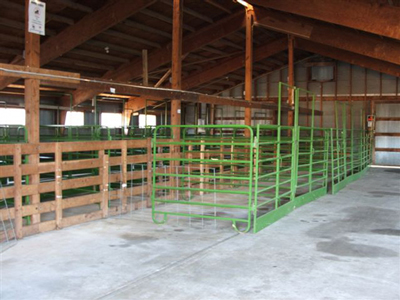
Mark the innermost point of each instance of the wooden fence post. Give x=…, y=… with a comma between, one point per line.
x=58, y=187
x=103, y=172
x=124, y=153
x=17, y=192
x=149, y=171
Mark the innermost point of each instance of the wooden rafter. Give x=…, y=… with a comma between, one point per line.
x=233, y=64
x=349, y=57
x=107, y=16
x=162, y=56
x=362, y=15
x=343, y=38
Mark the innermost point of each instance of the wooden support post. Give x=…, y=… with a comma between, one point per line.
x=176, y=64
x=124, y=171
x=321, y=105
x=307, y=96
x=17, y=192
x=176, y=71
x=58, y=187
x=32, y=100
x=373, y=132
x=103, y=170
x=249, y=64
x=350, y=96
x=290, y=78
x=149, y=171
x=145, y=64
x=202, y=167
x=336, y=90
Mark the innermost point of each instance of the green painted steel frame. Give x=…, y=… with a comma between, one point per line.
x=310, y=154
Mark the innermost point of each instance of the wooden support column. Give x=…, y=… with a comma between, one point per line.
x=249, y=64
x=103, y=157
x=290, y=78
x=176, y=72
x=145, y=64
x=176, y=69
x=124, y=174
x=58, y=187
x=32, y=99
x=149, y=171
x=17, y=192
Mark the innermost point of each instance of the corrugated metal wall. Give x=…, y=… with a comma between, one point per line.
x=387, y=128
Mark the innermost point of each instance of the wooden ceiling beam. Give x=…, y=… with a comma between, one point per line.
x=113, y=12
x=162, y=56
x=339, y=37
x=232, y=64
x=362, y=15
x=349, y=57
x=88, y=27
x=131, y=38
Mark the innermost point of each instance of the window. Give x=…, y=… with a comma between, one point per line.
x=150, y=121
x=74, y=118
x=111, y=120
x=12, y=116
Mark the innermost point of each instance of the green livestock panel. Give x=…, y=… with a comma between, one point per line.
x=350, y=149
x=209, y=177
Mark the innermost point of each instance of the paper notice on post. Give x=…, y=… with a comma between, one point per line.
x=37, y=17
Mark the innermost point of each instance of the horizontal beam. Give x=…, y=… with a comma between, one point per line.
x=349, y=57
x=286, y=25
x=362, y=15
x=343, y=38
x=14, y=71
x=232, y=64
x=159, y=57
x=112, y=13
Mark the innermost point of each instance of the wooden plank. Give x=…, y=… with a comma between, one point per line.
x=39, y=208
x=8, y=192
x=74, y=220
x=137, y=159
x=81, y=182
x=39, y=228
x=7, y=171
x=92, y=146
x=136, y=144
x=7, y=149
x=81, y=164
x=81, y=200
x=388, y=149
x=387, y=119
x=7, y=214
x=387, y=133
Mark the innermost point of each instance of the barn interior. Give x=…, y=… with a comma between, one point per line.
x=199, y=149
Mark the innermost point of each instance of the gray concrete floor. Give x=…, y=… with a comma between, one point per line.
x=344, y=246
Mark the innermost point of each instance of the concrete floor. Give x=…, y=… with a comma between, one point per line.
x=339, y=247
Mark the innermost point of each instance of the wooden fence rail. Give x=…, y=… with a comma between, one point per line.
x=56, y=162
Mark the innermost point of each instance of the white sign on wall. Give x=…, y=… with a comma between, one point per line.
x=37, y=17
